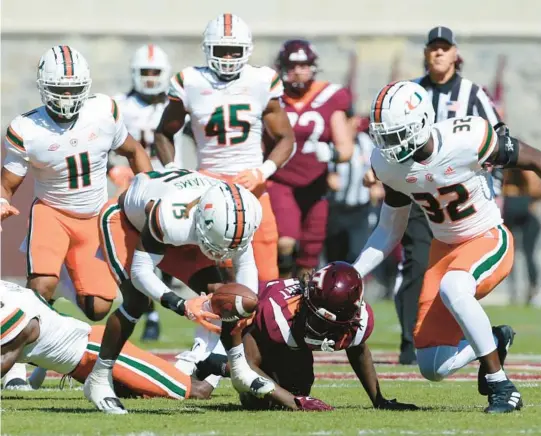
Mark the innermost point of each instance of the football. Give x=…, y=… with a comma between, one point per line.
x=234, y=301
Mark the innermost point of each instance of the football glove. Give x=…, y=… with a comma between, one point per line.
x=309, y=404
x=395, y=405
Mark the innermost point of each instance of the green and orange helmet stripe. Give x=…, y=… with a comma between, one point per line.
x=67, y=60
x=378, y=103
x=240, y=215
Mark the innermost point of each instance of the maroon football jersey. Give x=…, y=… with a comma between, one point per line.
x=278, y=303
x=310, y=117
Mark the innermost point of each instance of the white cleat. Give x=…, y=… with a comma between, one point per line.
x=250, y=381
x=17, y=384
x=99, y=390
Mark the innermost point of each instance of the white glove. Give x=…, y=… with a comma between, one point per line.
x=325, y=152
x=327, y=345
x=171, y=166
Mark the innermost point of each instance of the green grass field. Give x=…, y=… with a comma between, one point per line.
x=452, y=407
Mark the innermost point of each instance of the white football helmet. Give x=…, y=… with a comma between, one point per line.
x=401, y=119
x=150, y=57
x=226, y=218
x=63, y=80
x=227, y=31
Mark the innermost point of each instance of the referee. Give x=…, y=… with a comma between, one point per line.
x=452, y=96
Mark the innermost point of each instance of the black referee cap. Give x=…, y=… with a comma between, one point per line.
x=443, y=33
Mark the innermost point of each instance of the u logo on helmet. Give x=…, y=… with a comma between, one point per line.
x=413, y=102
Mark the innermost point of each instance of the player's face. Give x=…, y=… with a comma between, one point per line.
x=300, y=73
x=66, y=90
x=150, y=76
x=440, y=57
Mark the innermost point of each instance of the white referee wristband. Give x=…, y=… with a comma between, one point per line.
x=268, y=168
x=4, y=201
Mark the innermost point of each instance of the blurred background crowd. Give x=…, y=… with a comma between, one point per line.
x=359, y=45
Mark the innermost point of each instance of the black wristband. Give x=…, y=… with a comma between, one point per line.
x=172, y=301
x=335, y=154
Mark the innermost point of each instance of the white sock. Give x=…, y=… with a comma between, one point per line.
x=153, y=316
x=18, y=370
x=103, y=368
x=237, y=359
x=457, y=290
x=498, y=376
x=213, y=380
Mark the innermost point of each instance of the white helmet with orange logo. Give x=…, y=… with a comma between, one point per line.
x=150, y=70
x=227, y=32
x=401, y=120
x=63, y=80
x=226, y=218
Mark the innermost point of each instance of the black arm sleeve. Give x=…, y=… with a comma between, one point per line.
x=395, y=198
x=506, y=153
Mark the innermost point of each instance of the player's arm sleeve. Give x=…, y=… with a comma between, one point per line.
x=120, y=130
x=14, y=320
x=16, y=159
x=246, y=269
x=484, y=107
x=176, y=91
x=393, y=220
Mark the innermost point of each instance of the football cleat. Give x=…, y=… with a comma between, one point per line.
x=151, y=331
x=503, y=397
x=17, y=384
x=505, y=335
x=100, y=391
x=248, y=380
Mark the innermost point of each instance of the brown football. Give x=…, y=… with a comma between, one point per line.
x=233, y=301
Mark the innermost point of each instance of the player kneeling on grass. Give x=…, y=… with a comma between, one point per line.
x=442, y=168
x=295, y=318
x=183, y=223
x=33, y=332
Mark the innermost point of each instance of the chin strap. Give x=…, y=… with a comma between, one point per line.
x=326, y=345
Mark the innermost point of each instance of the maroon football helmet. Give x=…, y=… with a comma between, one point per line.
x=333, y=296
x=296, y=52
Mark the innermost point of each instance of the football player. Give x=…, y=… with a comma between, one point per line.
x=183, y=223
x=441, y=167
x=32, y=331
x=142, y=109
x=231, y=104
x=296, y=318
x=317, y=111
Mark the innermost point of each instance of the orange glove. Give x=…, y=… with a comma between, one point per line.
x=199, y=310
x=250, y=179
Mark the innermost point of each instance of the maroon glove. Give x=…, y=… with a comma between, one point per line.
x=309, y=404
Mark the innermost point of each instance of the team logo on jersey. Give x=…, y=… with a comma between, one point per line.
x=429, y=177
x=74, y=142
x=414, y=101
x=53, y=147
x=449, y=171
x=411, y=179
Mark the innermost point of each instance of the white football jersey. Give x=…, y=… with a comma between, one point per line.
x=452, y=187
x=175, y=193
x=68, y=162
x=226, y=117
x=62, y=340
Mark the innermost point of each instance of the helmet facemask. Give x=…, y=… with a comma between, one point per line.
x=399, y=143
x=227, y=58
x=66, y=96
x=150, y=81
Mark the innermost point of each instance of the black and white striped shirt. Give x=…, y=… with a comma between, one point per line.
x=352, y=192
x=459, y=98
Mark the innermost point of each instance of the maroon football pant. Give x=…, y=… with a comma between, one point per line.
x=301, y=214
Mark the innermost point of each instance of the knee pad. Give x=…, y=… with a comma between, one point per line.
x=435, y=363
x=456, y=284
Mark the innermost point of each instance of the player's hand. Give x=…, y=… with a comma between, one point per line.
x=394, y=405
x=369, y=179
x=250, y=179
x=121, y=176
x=309, y=404
x=325, y=152
x=199, y=310
x=7, y=210
x=242, y=324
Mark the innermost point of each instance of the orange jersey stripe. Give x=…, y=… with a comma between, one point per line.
x=228, y=24
x=66, y=52
x=379, y=102
x=240, y=216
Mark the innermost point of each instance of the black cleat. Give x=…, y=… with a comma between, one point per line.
x=152, y=331
x=505, y=335
x=503, y=397
x=407, y=354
